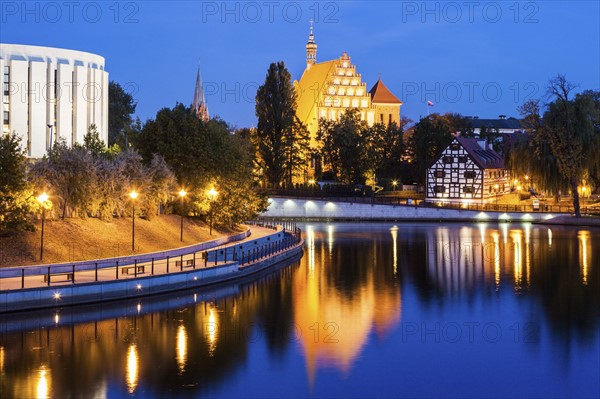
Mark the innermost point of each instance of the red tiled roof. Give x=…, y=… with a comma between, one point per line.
x=381, y=94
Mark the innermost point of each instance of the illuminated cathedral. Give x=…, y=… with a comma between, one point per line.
x=327, y=89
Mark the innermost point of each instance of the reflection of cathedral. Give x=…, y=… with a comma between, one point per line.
x=327, y=89
x=335, y=325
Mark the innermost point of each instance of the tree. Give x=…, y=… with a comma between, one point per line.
x=431, y=135
x=201, y=154
x=387, y=149
x=70, y=175
x=568, y=133
x=296, y=147
x=17, y=199
x=121, y=106
x=276, y=113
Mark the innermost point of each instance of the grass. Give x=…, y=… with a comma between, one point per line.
x=83, y=239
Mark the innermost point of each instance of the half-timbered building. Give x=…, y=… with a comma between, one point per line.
x=467, y=171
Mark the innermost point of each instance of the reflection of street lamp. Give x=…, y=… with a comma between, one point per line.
x=311, y=182
x=394, y=184
x=212, y=195
x=182, y=194
x=519, y=188
x=496, y=187
x=133, y=196
x=42, y=198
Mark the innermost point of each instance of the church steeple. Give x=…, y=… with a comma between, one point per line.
x=311, y=48
x=199, y=103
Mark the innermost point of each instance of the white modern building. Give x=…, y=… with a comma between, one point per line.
x=51, y=93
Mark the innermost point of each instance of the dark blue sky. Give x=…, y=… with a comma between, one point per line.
x=480, y=58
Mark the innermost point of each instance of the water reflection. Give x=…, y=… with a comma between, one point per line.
x=330, y=317
x=132, y=368
x=340, y=295
x=181, y=348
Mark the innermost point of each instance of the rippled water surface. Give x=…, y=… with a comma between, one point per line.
x=370, y=310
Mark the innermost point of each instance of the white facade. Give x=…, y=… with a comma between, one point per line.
x=43, y=86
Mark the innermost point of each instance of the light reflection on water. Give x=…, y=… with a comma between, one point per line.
x=370, y=310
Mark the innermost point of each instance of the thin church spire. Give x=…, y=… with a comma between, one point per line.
x=199, y=103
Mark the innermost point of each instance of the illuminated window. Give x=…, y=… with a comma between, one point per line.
x=462, y=159
x=470, y=174
x=468, y=190
x=447, y=160
x=439, y=189
x=440, y=174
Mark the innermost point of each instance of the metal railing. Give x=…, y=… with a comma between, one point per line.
x=243, y=254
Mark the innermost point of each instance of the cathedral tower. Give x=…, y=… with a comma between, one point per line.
x=311, y=48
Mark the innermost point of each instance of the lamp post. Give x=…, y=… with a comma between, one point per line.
x=42, y=198
x=133, y=196
x=212, y=195
x=394, y=184
x=182, y=194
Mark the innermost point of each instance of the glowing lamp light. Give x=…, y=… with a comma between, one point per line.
x=57, y=295
x=138, y=286
x=519, y=188
x=133, y=194
x=43, y=197
x=212, y=193
x=311, y=181
x=182, y=193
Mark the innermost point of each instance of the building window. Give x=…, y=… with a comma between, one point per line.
x=448, y=159
x=462, y=159
x=468, y=190
x=440, y=174
x=381, y=118
x=439, y=189
x=390, y=119
x=455, y=147
x=470, y=174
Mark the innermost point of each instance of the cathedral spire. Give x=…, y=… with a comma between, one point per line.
x=311, y=48
x=199, y=103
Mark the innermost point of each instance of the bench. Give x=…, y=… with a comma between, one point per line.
x=131, y=270
x=186, y=263
x=68, y=275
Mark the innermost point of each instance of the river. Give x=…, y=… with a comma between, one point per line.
x=370, y=310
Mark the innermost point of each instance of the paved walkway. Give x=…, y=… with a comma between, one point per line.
x=128, y=271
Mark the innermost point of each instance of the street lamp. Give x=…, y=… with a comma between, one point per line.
x=182, y=194
x=133, y=196
x=394, y=184
x=42, y=198
x=212, y=195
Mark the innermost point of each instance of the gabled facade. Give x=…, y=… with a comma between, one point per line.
x=328, y=89
x=467, y=171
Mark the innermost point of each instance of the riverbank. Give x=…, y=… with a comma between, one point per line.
x=36, y=287
x=306, y=209
x=77, y=239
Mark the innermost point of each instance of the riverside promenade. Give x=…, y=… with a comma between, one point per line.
x=308, y=209
x=35, y=287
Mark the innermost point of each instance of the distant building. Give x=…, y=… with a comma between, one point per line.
x=199, y=102
x=502, y=125
x=51, y=94
x=328, y=89
x=467, y=171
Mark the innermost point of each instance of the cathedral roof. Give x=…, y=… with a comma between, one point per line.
x=310, y=86
x=382, y=95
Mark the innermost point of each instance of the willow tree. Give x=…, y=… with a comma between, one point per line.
x=565, y=139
